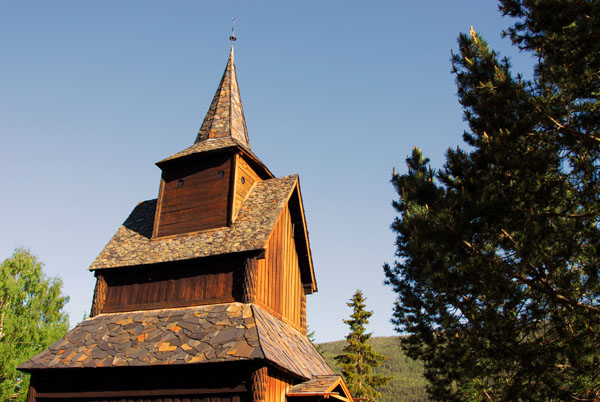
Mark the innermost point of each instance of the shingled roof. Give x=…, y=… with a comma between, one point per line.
x=132, y=244
x=323, y=386
x=225, y=116
x=191, y=335
x=208, y=146
x=213, y=145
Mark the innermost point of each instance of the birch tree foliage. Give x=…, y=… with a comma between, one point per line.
x=31, y=318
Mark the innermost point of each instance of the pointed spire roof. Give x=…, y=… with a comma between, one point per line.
x=225, y=117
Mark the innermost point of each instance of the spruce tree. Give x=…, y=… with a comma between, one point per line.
x=499, y=251
x=358, y=358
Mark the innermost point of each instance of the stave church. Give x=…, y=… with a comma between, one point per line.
x=200, y=296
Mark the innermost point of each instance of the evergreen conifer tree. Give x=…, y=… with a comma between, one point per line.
x=499, y=251
x=358, y=358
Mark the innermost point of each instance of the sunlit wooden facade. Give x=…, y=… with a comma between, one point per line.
x=201, y=293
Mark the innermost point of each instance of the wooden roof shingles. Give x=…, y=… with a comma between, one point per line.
x=287, y=347
x=322, y=385
x=191, y=335
x=132, y=244
x=210, y=145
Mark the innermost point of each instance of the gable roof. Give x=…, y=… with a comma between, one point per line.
x=191, y=335
x=225, y=116
x=226, y=144
x=328, y=386
x=210, y=145
x=132, y=244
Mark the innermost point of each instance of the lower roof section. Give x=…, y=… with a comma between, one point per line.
x=191, y=335
x=321, y=387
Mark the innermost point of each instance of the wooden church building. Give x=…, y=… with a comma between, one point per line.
x=201, y=293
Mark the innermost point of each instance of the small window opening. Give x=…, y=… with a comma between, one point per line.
x=243, y=180
x=220, y=174
x=179, y=183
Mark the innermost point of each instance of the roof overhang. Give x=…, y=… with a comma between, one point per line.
x=217, y=333
x=307, y=271
x=326, y=387
x=215, y=146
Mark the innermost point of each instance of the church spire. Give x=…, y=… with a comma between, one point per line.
x=225, y=117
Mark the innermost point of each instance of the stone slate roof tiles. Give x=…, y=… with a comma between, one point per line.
x=285, y=345
x=210, y=145
x=191, y=335
x=132, y=244
x=225, y=116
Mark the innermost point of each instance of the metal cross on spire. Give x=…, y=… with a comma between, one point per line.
x=233, y=38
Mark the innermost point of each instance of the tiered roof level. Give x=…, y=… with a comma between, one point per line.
x=201, y=293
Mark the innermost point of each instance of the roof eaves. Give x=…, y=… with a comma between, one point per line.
x=311, y=269
x=287, y=348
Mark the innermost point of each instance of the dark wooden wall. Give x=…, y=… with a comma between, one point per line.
x=187, y=283
x=194, y=196
x=227, y=382
x=154, y=398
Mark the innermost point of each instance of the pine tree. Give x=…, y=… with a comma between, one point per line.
x=499, y=251
x=359, y=359
x=31, y=318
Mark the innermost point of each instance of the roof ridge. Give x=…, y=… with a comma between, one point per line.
x=260, y=346
x=312, y=366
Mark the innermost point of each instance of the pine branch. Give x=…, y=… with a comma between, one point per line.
x=545, y=287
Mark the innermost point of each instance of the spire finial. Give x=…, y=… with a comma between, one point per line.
x=233, y=38
x=225, y=116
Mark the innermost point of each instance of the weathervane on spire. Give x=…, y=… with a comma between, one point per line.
x=233, y=38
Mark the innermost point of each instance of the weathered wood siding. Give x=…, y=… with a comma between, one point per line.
x=245, y=177
x=277, y=386
x=184, y=284
x=194, y=196
x=279, y=285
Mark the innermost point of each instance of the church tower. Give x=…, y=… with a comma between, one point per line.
x=201, y=293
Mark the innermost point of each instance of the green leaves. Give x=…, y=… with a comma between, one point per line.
x=31, y=318
x=497, y=276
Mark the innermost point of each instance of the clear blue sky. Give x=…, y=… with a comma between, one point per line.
x=92, y=93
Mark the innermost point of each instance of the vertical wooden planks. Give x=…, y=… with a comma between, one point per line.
x=277, y=386
x=191, y=283
x=245, y=177
x=279, y=287
x=195, y=197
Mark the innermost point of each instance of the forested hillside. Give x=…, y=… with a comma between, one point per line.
x=408, y=383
